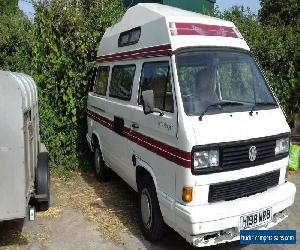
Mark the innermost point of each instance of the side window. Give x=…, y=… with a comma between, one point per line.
x=156, y=76
x=101, y=80
x=121, y=81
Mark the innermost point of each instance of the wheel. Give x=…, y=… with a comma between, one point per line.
x=101, y=170
x=42, y=182
x=150, y=217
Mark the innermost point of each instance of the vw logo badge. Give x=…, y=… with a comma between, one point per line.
x=252, y=153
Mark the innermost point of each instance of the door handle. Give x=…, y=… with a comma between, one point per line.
x=135, y=125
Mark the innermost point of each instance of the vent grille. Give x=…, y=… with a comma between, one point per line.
x=238, y=155
x=241, y=188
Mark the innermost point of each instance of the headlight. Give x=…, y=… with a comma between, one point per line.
x=282, y=146
x=206, y=159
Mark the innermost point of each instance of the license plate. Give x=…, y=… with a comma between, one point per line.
x=256, y=219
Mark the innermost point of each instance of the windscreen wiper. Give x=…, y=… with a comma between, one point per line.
x=257, y=104
x=219, y=105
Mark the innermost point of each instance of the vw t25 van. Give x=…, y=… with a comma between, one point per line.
x=180, y=110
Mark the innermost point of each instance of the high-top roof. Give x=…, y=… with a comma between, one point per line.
x=165, y=25
x=144, y=13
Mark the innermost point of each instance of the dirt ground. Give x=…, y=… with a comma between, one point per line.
x=85, y=214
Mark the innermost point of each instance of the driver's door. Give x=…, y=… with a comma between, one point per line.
x=153, y=136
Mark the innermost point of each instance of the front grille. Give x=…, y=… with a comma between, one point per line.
x=241, y=188
x=237, y=156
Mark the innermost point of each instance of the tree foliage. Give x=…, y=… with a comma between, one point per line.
x=280, y=12
x=8, y=6
x=15, y=37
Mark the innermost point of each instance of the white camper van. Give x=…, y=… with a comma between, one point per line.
x=24, y=171
x=180, y=110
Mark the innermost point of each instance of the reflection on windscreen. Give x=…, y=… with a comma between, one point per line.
x=207, y=78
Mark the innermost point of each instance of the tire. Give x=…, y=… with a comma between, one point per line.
x=101, y=170
x=42, y=182
x=150, y=217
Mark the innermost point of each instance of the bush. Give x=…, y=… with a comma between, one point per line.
x=15, y=41
x=67, y=33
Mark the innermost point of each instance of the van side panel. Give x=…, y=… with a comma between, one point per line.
x=109, y=117
x=119, y=112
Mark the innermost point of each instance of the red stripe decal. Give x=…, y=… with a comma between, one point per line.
x=202, y=30
x=156, y=51
x=100, y=119
x=166, y=151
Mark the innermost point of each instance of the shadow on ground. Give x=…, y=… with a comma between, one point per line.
x=117, y=198
x=11, y=233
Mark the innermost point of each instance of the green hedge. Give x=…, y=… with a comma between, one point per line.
x=15, y=41
x=66, y=34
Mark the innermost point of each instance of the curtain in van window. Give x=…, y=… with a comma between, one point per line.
x=101, y=80
x=121, y=82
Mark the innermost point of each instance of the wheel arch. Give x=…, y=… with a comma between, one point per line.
x=144, y=169
x=96, y=141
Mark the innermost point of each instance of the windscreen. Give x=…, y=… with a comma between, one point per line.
x=207, y=78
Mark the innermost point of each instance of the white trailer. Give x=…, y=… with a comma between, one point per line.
x=24, y=171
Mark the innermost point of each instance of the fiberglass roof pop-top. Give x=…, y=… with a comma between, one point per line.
x=157, y=25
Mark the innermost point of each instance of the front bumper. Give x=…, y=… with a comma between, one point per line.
x=224, y=217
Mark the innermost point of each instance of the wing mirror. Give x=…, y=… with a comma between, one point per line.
x=148, y=103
